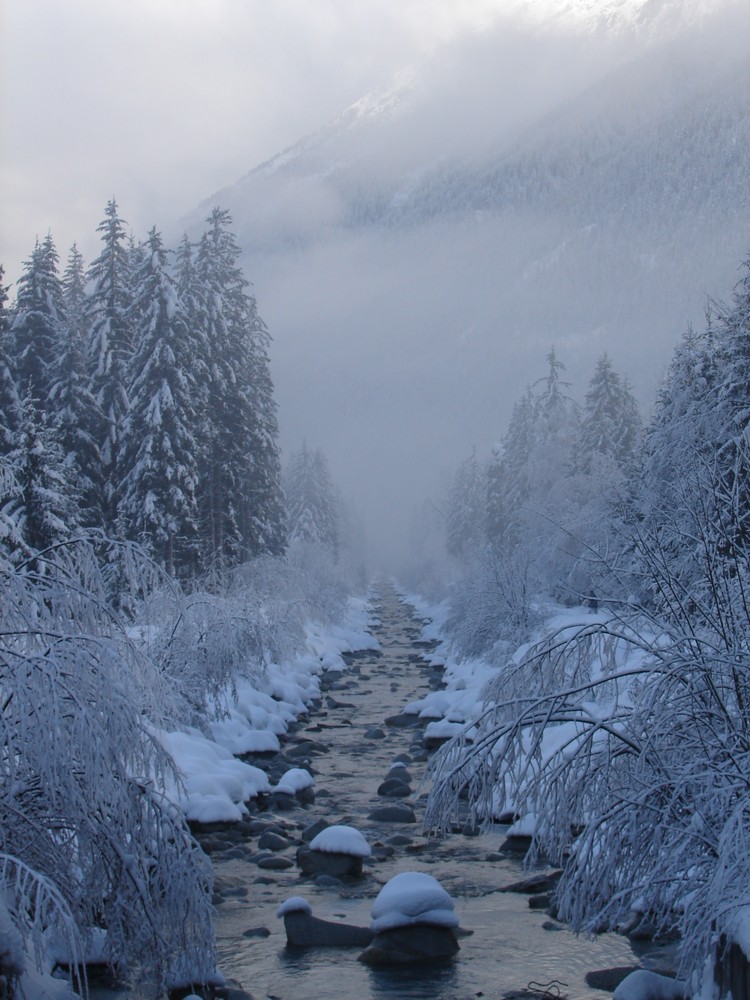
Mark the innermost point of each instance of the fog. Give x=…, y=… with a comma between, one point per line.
x=460, y=188
x=416, y=261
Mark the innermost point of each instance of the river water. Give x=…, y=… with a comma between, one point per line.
x=349, y=748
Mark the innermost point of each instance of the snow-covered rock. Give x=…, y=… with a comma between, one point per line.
x=412, y=898
x=645, y=985
x=413, y=923
x=341, y=840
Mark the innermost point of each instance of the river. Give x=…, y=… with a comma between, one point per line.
x=349, y=748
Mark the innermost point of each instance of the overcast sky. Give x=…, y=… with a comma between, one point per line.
x=162, y=102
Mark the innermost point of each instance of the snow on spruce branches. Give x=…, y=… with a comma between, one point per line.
x=136, y=397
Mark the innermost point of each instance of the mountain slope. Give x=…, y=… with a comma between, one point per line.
x=416, y=259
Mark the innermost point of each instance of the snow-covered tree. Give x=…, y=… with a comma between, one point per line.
x=75, y=415
x=90, y=844
x=466, y=513
x=159, y=452
x=10, y=403
x=610, y=424
x=46, y=509
x=312, y=501
x=507, y=473
x=528, y=470
x=37, y=319
x=240, y=495
x=110, y=346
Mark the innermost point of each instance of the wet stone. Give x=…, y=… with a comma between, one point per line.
x=399, y=839
x=324, y=881
x=402, y=721
x=312, y=831
x=329, y=863
x=608, y=979
x=396, y=813
x=276, y=863
x=374, y=734
x=270, y=841
x=394, y=788
x=256, y=932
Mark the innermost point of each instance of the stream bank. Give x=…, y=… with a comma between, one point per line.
x=349, y=743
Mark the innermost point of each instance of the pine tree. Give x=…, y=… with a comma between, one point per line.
x=733, y=406
x=312, y=502
x=466, y=511
x=76, y=417
x=110, y=346
x=159, y=453
x=10, y=403
x=262, y=514
x=507, y=476
x=611, y=424
x=46, y=504
x=38, y=317
x=240, y=499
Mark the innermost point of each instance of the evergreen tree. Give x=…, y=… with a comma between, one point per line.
x=733, y=406
x=611, y=424
x=240, y=499
x=466, y=511
x=263, y=514
x=9, y=401
x=312, y=503
x=76, y=415
x=46, y=505
x=507, y=475
x=157, y=502
x=38, y=317
x=110, y=345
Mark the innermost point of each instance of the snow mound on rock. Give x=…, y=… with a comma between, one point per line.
x=296, y=779
x=295, y=904
x=341, y=840
x=412, y=898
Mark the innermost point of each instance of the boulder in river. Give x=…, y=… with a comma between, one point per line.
x=303, y=930
x=337, y=850
x=394, y=788
x=413, y=923
x=420, y=944
x=399, y=812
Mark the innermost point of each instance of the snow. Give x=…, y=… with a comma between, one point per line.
x=645, y=985
x=11, y=944
x=296, y=779
x=524, y=827
x=412, y=898
x=341, y=840
x=295, y=904
x=741, y=930
x=215, y=785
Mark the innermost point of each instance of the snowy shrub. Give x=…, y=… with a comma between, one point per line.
x=626, y=736
x=80, y=804
x=491, y=605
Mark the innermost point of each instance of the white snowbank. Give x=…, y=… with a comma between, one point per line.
x=215, y=784
x=645, y=985
x=412, y=898
x=341, y=840
x=294, y=780
x=295, y=904
x=524, y=827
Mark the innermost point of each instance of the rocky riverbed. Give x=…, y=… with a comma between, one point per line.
x=350, y=743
